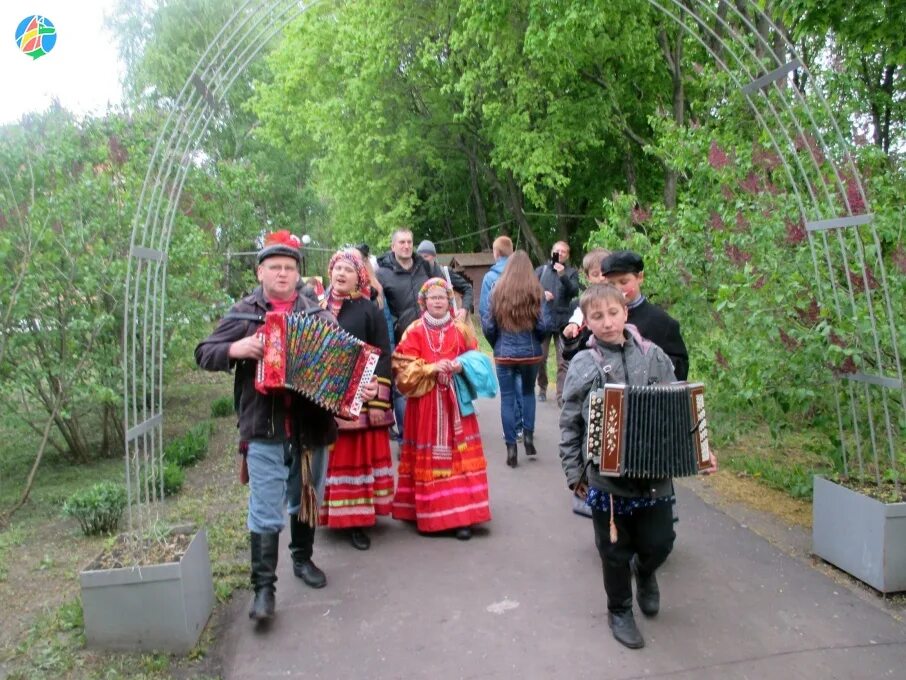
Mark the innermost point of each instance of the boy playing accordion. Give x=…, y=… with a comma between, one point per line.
x=632, y=517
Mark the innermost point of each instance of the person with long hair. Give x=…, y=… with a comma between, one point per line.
x=442, y=483
x=359, y=483
x=514, y=324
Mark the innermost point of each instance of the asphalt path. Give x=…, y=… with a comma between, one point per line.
x=525, y=599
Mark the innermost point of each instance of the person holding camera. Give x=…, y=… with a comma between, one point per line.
x=560, y=282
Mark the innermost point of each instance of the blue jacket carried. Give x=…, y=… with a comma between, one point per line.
x=476, y=380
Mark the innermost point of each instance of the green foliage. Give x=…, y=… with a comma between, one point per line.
x=173, y=477
x=98, y=509
x=733, y=263
x=222, y=407
x=191, y=447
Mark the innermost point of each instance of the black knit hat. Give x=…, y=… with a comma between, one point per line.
x=622, y=262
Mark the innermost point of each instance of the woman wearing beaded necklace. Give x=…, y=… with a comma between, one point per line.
x=442, y=482
x=360, y=471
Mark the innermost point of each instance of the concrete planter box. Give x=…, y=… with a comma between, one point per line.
x=860, y=535
x=159, y=607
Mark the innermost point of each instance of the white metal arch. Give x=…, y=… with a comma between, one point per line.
x=839, y=241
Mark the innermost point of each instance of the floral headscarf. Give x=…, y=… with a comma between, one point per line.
x=352, y=257
x=436, y=282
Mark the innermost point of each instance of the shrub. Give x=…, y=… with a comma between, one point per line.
x=97, y=509
x=190, y=448
x=174, y=478
x=222, y=407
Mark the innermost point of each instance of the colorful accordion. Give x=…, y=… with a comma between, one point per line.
x=651, y=431
x=317, y=359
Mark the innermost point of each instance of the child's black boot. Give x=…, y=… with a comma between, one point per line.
x=647, y=594
x=622, y=624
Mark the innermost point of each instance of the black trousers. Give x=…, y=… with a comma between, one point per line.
x=648, y=533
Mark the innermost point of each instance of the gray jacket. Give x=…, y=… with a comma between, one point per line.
x=636, y=362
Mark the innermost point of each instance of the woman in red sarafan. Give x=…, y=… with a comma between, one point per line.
x=442, y=483
x=360, y=471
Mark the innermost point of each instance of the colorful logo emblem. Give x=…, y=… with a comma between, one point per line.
x=36, y=36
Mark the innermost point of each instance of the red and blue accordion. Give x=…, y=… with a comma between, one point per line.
x=316, y=359
x=652, y=431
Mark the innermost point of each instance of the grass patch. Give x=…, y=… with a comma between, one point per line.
x=11, y=538
x=784, y=460
x=40, y=553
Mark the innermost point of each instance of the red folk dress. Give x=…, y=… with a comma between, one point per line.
x=359, y=484
x=442, y=481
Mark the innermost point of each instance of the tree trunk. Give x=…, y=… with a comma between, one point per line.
x=517, y=203
x=481, y=216
x=511, y=197
x=673, y=54
x=562, y=219
x=630, y=170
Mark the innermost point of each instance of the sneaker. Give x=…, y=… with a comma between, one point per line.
x=542, y=396
x=519, y=435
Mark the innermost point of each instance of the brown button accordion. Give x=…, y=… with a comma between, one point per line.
x=649, y=432
x=317, y=359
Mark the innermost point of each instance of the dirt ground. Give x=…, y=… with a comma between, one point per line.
x=48, y=551
x=741, y=488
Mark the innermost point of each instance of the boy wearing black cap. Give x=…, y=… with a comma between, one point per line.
x=626, y=270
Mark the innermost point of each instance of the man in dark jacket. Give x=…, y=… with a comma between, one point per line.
x=284, y=435
x=401, y=273
x=560, y=282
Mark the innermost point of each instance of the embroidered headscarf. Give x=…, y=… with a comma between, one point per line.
x=352, y=257
x=436, y=282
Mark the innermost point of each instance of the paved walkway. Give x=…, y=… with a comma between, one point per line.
x=524, y=599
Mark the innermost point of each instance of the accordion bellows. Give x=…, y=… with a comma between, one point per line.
x=317, y=359
x=649, y=432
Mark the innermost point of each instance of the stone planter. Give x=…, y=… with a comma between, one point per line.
x=860, y=535
x=158, y=607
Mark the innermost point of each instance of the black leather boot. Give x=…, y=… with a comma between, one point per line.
x=359, y=539
x=264, y=551
x=511, y=455
x=622, y=625
x=647, y=594
x=301, y=546
x=528, y=439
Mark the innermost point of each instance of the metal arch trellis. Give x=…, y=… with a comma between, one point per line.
x=820, y=217
x=238, y=42
x=759, y=79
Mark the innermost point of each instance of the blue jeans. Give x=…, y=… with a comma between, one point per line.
x=510, y=396
x=518, y=385
x=274, y=481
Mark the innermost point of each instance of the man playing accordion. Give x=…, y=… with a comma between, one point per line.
x=283, y=434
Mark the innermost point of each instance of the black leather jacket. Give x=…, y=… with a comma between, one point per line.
x=263, y=416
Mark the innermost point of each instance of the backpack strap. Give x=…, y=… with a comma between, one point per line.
x=604, y=369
